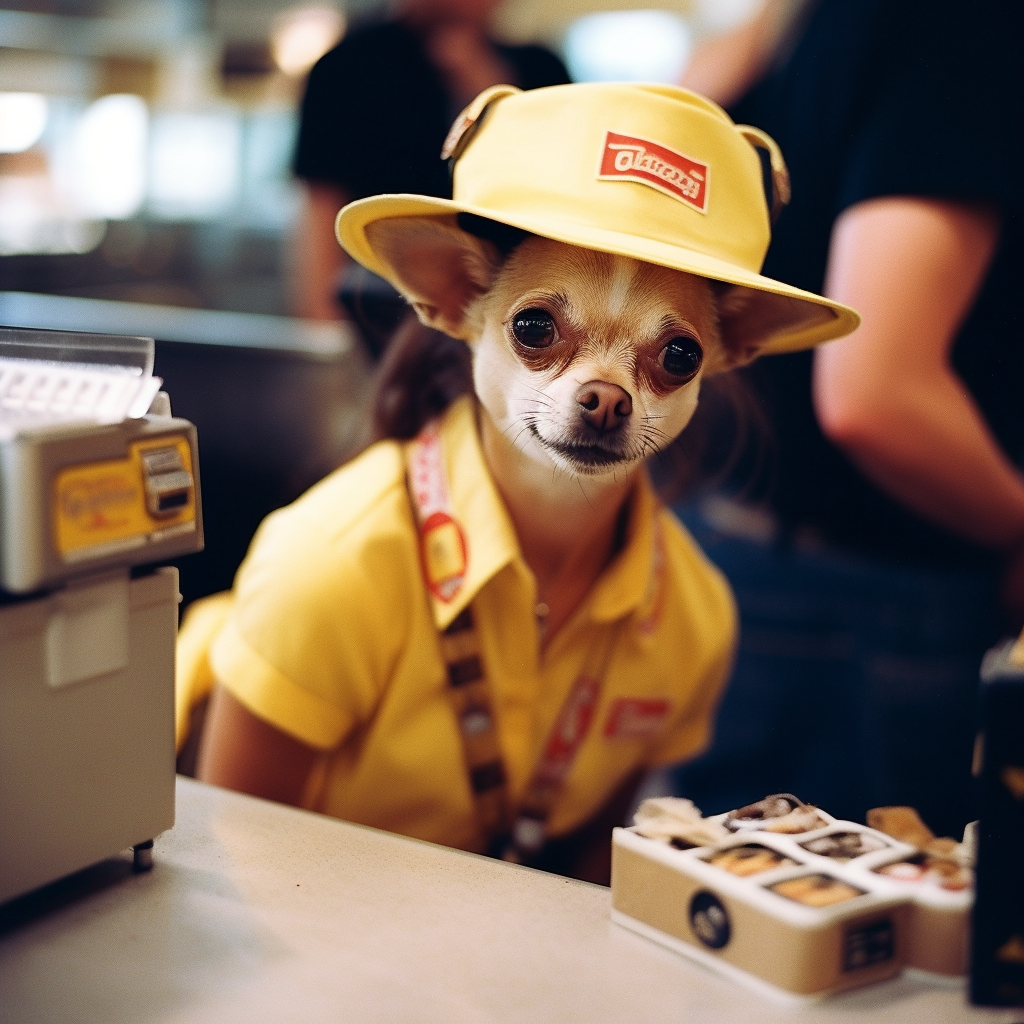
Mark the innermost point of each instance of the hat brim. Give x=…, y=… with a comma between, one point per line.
x=795, y=319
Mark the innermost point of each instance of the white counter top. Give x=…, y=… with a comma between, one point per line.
x=256, y=912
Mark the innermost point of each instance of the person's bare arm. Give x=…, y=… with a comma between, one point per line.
x=241, y=751
x=317, y=258
x=888, y=394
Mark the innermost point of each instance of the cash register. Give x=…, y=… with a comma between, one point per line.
x=98, y=487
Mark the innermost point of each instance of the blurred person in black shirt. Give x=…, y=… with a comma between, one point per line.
x=877, y=550
x=375, y=113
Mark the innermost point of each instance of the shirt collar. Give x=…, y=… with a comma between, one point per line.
x=626, y=585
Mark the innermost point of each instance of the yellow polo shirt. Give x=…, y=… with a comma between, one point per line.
x=333, y=638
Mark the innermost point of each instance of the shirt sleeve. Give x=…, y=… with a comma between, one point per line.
x=942, y=106
x=315, y=629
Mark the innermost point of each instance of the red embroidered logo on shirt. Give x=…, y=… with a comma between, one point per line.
x=634, y=159
x=633, y=718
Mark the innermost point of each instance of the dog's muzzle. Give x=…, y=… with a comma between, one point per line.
x=590, y=449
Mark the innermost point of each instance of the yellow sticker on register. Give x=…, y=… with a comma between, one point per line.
x=103, y=505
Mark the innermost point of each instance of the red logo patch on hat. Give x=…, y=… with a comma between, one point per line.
x=632, y=718
x=626, y=157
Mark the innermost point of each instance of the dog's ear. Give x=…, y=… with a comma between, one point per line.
x=749, y=319
x=438, y=267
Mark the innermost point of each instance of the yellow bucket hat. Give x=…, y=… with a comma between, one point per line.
x=654, y=172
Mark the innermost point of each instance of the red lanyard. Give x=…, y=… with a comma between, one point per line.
x=445, y=561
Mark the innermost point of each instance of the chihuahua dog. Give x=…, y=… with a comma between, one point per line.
x=585, y=364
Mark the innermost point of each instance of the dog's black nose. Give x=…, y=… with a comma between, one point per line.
x=604, y=406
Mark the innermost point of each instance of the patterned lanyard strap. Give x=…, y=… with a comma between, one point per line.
x=445, y=560
x=529, y=830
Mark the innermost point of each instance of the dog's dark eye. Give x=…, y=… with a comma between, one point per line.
x=682, y=357
x=534, y=328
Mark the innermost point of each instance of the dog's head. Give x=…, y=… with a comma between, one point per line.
x=585, y=360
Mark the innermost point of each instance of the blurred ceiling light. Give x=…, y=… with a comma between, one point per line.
x=628, y=46
x=34, y=219
x=22, y=120
x=302, y=36
x=108, y=169
x=721, y=15
x=194, y=164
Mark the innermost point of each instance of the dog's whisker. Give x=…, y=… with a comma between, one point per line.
x=583, y=491
x=546, y=398
x=515, y=440
x=507, y=432
x=536, y=403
